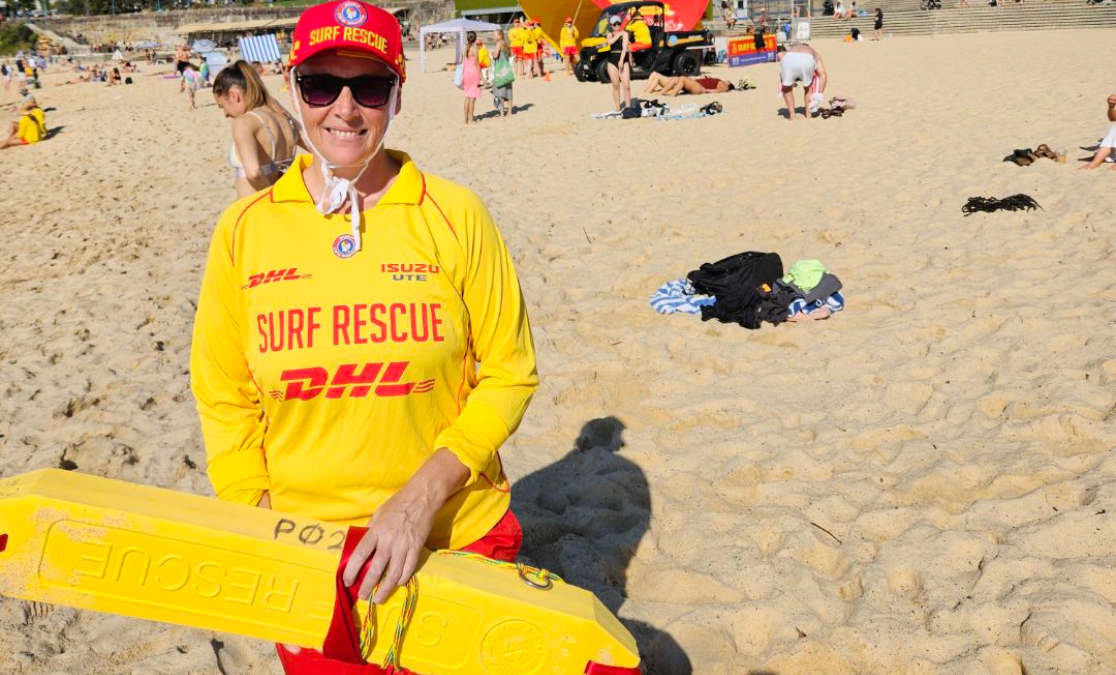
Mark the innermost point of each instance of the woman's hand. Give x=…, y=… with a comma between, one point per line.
x=398, y=530
x=396, y=534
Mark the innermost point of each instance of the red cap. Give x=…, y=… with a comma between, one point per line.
x=569, y=19
x=349, y=25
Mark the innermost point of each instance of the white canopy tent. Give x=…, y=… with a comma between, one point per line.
x=457, y=26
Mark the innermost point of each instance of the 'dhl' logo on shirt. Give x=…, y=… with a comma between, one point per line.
x=379, y=379
x=287, y=274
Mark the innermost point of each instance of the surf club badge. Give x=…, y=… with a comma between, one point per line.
x=344, y=246
x=351, y=14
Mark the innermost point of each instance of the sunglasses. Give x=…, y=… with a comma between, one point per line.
x=369, y=91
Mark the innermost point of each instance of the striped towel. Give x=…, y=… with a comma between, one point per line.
x=678, y=296
x=835, y=303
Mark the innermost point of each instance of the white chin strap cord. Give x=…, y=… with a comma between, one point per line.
x=339, y=190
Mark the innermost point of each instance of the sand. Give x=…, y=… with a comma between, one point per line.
x=923, y=485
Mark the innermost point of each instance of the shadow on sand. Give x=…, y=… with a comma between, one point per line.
x=494, y=114
x=583, y=518
x=799, y=112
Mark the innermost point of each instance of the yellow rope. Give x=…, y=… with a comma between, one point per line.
x=410, y=600
x=368, y=628
x=524, y=570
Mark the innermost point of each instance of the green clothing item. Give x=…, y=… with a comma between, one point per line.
x=805, y=274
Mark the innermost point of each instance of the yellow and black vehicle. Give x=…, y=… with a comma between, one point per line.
x=653, y=48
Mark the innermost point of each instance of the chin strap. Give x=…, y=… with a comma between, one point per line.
x=339, y=190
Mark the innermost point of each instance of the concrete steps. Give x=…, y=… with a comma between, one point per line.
x=976, y=18
x=903, y=17
x=59, y=40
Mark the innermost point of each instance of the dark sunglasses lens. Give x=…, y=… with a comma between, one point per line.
x=319, y=90
x=371, y=91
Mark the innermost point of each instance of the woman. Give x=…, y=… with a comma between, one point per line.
x=264, y=135
x=366, y=406
x=502, y=94
x=471, y=75
x=619, y=66
x=877, y=27
x=728, y=14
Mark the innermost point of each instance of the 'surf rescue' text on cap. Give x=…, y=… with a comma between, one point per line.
x=349, y=25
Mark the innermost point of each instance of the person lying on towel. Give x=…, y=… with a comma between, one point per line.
x=673, y=86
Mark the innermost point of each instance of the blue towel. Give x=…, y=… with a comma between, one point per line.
x=678, y=296
x=835, y=303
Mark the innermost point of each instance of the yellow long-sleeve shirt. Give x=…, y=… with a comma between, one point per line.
x=32, y=127
x=328, y=376
x=568, y=37
x=530, y=41
x=641, y=34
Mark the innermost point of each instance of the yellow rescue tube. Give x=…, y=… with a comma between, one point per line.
x=110, y=546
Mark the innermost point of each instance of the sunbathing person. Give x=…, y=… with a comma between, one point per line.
x=1108, y=143
x=673, y=86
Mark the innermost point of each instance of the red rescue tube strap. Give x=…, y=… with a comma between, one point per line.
x=342, y=642
x=597, y=669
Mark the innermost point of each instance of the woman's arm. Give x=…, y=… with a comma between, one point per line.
x=244, y=136
x=1112, y=108
x=229, y=405
x=506, y=380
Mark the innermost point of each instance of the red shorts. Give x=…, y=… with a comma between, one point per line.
x=639, y=46
x=517, y=52
x=501, y=543
x=530, y=57
x=569, y=51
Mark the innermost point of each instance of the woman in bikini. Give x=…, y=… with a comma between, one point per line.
x=619, y=63
x=265, y=137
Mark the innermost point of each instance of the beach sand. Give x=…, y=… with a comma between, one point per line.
x=923, y=485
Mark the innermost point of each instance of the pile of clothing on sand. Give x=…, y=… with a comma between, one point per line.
x=750, y=289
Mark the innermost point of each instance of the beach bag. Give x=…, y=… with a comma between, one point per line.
x=750, y=269
x=459, y=76
x=739, y=283
x=502, y=73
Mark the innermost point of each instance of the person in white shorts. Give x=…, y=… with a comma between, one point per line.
x=1108, y=143
x=800, y=63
